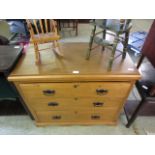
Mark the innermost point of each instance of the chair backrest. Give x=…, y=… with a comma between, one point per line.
x=147, y=69
x=41, y=26
x=3, y=40
x=148, y=49
x=121, y=24
x=124, y=24
x=5, y=29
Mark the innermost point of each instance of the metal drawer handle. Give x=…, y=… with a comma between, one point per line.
x=98, y=104
x=56, y=117
x=48, y=92
x=53, y=104
x=101, y=91
x=95, y=117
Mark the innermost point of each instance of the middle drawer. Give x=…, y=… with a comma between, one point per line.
x=73, y=103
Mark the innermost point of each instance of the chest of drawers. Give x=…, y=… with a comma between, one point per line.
x=72, y=90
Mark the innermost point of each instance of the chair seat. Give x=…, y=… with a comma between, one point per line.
x=111, y=25
x=144, y=88
x=45, y=38
x=147, y=81
x=102, y=42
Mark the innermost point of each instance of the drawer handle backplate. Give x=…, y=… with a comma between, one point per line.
x=48, y=92
x=53, y=104
x=95, y=117
x=101, y=91
x=98, y=104
x=56, y=117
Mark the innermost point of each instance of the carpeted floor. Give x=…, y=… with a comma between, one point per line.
x=24, y=125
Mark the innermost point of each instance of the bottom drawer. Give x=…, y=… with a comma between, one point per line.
x=55, y=116
x=107, y=114
x=78, y=117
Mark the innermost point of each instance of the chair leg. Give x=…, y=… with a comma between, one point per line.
x=140, y=61
x=37, y=54
x=54, y=44
x=91, y=43
x=58, y=26
x=113, y=53
x=135, y=113
x=125, y=45
x=76, y=27
x=104, y=36
x=57, y=48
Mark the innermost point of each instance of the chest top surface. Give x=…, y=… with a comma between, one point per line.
x=72, y=64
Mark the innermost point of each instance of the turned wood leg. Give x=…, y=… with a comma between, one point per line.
x=54, y=44
x=113, y=53
x=104, y=37
x=125, y=45
x=57, y=48
x=91, y=43
x=58, y=26
x=37, y=54
x=135, y=113
x=76, y=28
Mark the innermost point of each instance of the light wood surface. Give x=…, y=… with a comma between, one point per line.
x=62, y=69
x=115, y=89
x=39, y=104
x=40, y=34
x=57, y=117
x=72, y=90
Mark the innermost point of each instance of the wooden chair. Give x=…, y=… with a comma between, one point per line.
x=115, y=28
x=145, y=86
x=43, y=31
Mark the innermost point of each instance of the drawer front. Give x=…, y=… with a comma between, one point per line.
x=55, y=116
x=74, y=103
x=92, y=117
x=65, y=90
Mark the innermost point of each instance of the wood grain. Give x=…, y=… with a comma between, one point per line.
x=56, y=117
x=48, y=104
x=75, y=84
x=85, y=89
x=45, y=36
x=58, y=69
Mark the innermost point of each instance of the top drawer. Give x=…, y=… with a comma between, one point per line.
x=64, y=90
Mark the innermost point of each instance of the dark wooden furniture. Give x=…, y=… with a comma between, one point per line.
x=9, y=56
x=114, y=28
x=145, y=86
x=68, y=23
